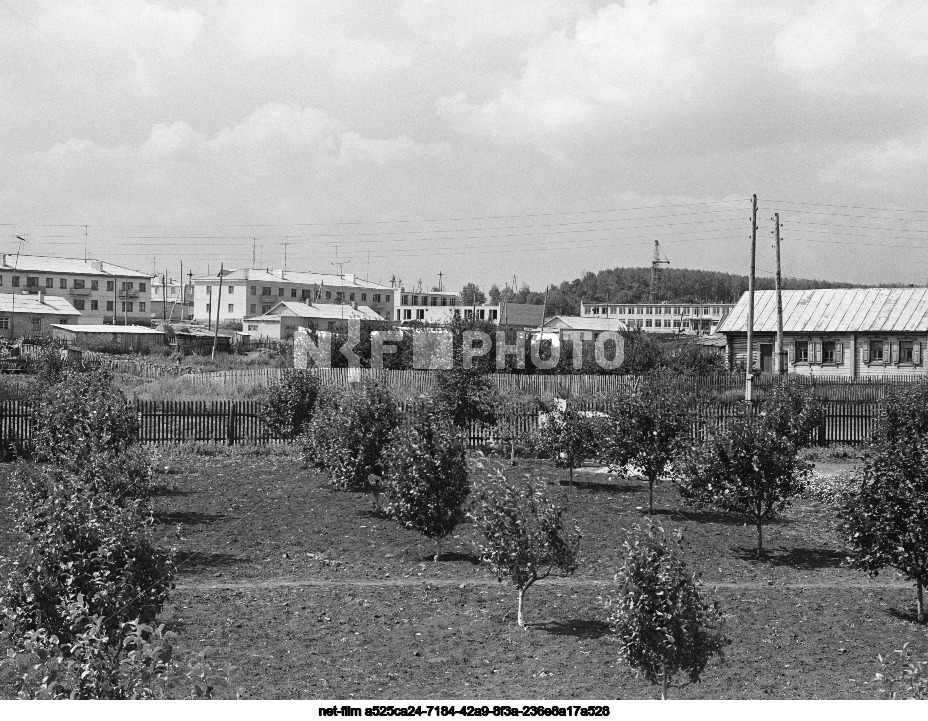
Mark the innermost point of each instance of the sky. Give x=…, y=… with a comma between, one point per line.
x=491, y=141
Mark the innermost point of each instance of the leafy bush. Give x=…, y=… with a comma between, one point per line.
x=82, y=415
x=348, y=433
x=904, y=676
x=830, y=489
x=466, y=395
x=885, y=519
x=288, y=404
x=792, y=412
x=569, y=436
x=663, y=625
x=748, y=469
x=902, y=414
x=524, y=534
x=426, y=477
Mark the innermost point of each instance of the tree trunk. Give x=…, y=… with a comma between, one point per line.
x=512, y=451
x=663, y=683
x=760, y=539
x=437, y=549
x=570, y=465
x=920, y=601
x=519, y=617
x=650, y=495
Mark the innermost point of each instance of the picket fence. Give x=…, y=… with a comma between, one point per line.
x=241, y=421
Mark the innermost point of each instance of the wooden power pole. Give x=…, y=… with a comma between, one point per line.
x=749, y=377
x=780, y=350
x=218, y=308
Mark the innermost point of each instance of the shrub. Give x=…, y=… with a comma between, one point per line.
x=747, y=469
x=663, y=625
x=568, y=436
x=792, y=413
x=348, y=433
x=524, y=533
x=426, y=478
x=81, y=415
x=466, y=395
x=288, y=404
x=903, y=675
x=885, y=520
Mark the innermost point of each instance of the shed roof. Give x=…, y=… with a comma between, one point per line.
x=30, y=303
x=834, y=310
x=584, y=322
x=327, y=311
x=114, y=329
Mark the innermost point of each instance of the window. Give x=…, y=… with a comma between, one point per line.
x=63, y=283
x=676, y=324
x=79, y=304
x=639, y=323
x=143, y=286
x=32, y=282
x=4, y=322
x=78, y=284
x=109, y=305
x=829, y=354
x=109, y=284
x=351, y=296
x=363, y=296
x=94, y=305
x=666, y=322
x=126, y=307
x=254, y=290
x=386, y=298
x=208, y=309
x=444, y=301
x=328, y=295
x=685, y=311
x=95, y=285
x=141, y=306
x=405, y=300
x=293, y=292
x=649, y=311
x=49, y=282
x=36, y=322
x=265, y=290
x=231, y=307
x=265, y=308
x=63, y=321
x=251, y=309
x=252, y=326
x=705, y=311
x=716, y=311
x=15, y=282
x=876, y=352
x=420, y=315
x=415, y=300
x=802, y=351
x=280, y=292
x=906, y=348
x=231, y=289
x=407, y=314
x=647, y=323
x=494, y=315
x=376, y=297
x=130, y=285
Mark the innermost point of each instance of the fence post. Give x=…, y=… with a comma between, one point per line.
x=230, y=423
x=821, y=431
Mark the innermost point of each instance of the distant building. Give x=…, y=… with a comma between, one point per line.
x=125, y=338
x=253, y=292
x=583, y=323
x=281, y=321
x=100, y=291
x=843, y=332
x=666, y=317
x=24, y=315
x=172, y=303
x=435, y=306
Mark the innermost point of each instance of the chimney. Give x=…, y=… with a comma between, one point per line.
x=350, y=277
x=97, y=265
x=307, y=300
x=354, y=304
x=42, y=297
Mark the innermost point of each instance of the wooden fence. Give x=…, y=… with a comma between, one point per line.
x=241, y=421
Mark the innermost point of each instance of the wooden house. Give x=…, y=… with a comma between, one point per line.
x=854, y=332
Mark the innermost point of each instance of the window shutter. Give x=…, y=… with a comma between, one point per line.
x=866, y=352
x=818, y=352
x=917, y=353
x=894, y=348
x=839, y=352
x=791, y=351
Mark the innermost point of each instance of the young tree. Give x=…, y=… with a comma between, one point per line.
x=885, y=519
x=570, y=437
x=471, y=294
x=792, y=412
x=525, y=538
x=466, y=396
x=747, y=469
x=288, y=404
x=348, y=433
x=425, y=477
x=649, y=427
x=663, y=625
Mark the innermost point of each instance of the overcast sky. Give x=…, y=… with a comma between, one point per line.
x=478, y=138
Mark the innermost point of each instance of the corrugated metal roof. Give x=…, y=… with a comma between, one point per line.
x=50, y=305
x=584, y=322
x=262, y=275
x=834, y=310
x=114, y=329
x=328, y=311
x=76, y=266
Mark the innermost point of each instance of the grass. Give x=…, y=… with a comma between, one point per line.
x=314, y=595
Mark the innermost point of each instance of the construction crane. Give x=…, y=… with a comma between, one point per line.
x=656, y=271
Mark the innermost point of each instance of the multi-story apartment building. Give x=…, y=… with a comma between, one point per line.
x=435, y=306
x=666, y=317
x=250, y=292
x=174, y=302
x=102, y=292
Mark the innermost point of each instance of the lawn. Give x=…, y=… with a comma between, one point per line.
x=314, y=595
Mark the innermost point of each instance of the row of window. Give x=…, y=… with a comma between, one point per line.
x=36, y=322
x=433, y=300
x=125, y=306
x=230, y=308
x=78, y=283
x=902, y=352
x=304, y=294
x=654, y=310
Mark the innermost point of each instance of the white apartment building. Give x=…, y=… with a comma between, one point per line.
x=173, y=302
x=666, y=317
x=102, y=292
x=249, y=292
x=435, y=306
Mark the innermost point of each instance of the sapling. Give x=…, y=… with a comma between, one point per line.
x=662, y=623
x=525, y=538
x=425, y=477
x=570, y=437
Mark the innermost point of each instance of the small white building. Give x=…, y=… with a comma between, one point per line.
x=26, y=315
x=282, y=320
x=583, y=323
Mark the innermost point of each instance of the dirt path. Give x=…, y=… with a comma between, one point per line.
x=271, y=583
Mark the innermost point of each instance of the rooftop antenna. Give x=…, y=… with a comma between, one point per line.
x=656, y=270
x=85, y=243
x=440, y=274
x=420, y=285
x=254, y=242
x=286, y=241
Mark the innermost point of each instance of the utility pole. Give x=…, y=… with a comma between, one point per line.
x=216, y=333
x=164, y=299
x=85, y=243
x=183, y=295
x=190, y=280
x=780, y=350
x=286, y=241
x=13, y=294
x=440, y=274
x=749, y=377
x=254, y=242
x=115, y=295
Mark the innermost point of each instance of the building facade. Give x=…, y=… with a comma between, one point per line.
x=690, y=318
x=100, y=291
x=249, y=293
x=435, y=306
x=173, y=303
x=282, y=321
x=853, y=333
x=24, y=315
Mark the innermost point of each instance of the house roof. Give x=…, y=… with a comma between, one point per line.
x=114, y=329
x=29, y=303
x=326, y=311
x=584, y=322
x=74, y=266
x=838, y=310
x=263, y=275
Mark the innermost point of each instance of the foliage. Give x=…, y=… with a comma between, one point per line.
x=288, y=404
x=134, y=661
x=426, y=477
x=830, y=489
x=648, y=427
x=471, y=294
x=902, y=414
x=885, y=521
x=746, y=468
x=348, y=433
x=904, y=675
x=663, y=625
x=524, y=532
x=82, y=415
x=466, y=396
x=569, y=436
x=792, y=412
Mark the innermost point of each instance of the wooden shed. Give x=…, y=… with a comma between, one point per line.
x=125, y=338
